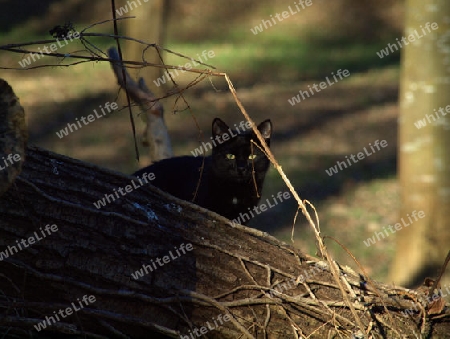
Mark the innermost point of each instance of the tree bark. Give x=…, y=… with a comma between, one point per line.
x=424, y=160
x=58, y=248
x=230, y=270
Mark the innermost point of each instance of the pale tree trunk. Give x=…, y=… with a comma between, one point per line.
x=156, y=136
x=203, y=274
x=148, y=26
x=424, y=157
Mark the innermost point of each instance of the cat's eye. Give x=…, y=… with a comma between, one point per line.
x=230, y=156
x=252, y=156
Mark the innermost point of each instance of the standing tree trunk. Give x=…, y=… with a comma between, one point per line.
x=149, y=26
x=424, y=157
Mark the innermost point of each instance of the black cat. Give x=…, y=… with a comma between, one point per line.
x=232, y=177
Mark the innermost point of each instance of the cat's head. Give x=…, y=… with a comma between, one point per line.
x=235, y=156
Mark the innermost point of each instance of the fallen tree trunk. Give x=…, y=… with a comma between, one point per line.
x=144, y=262
x=230, y=270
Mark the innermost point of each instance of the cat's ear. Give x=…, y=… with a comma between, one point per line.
x=219, y=127
x=265, y=128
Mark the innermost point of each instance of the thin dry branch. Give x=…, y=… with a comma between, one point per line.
x=18, y=48
x=323, y=250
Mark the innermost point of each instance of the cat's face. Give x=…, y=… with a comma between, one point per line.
x=236, y=158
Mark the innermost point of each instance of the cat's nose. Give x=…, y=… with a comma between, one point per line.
x=242, y=169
